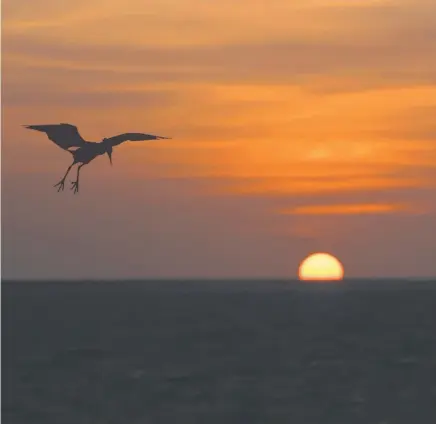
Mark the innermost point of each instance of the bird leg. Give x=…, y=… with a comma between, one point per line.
x=61, y=183
x=75, y=184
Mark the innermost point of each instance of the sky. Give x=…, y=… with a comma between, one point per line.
x=297, y=127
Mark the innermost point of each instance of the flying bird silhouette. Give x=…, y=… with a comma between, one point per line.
x=68, y=138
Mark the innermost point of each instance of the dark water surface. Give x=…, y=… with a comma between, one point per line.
x=219, y=352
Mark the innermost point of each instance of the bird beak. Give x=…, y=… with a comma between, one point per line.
x=110, y=157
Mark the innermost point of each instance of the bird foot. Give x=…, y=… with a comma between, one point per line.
x=75, y=186
x=61, y=184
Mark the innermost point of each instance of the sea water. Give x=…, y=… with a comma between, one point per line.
x=219, y=352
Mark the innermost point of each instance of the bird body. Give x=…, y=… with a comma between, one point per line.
x=88, y=153
x=68, y=138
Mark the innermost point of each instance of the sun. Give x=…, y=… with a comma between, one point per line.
x=321, y=266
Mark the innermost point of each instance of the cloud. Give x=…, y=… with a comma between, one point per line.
x=348, y=209
x=416, y=122
x=321, y=47
x=189, y=22
x=29, y=95
x=287, y=186
x=321, y=66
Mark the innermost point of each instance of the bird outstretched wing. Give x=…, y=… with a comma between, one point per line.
x=118, y=139
x=65, y=136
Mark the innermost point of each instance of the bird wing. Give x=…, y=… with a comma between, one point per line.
x=118, y=139
x=64, y=135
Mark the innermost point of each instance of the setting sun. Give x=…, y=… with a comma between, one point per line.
x=321, y=266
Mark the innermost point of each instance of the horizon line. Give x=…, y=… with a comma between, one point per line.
x=212, y=279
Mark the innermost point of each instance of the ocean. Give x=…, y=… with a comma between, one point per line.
x=219, y=352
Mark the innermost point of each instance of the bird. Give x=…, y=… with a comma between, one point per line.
x=67, y=137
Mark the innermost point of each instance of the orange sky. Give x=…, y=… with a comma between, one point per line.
x=297, y=126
